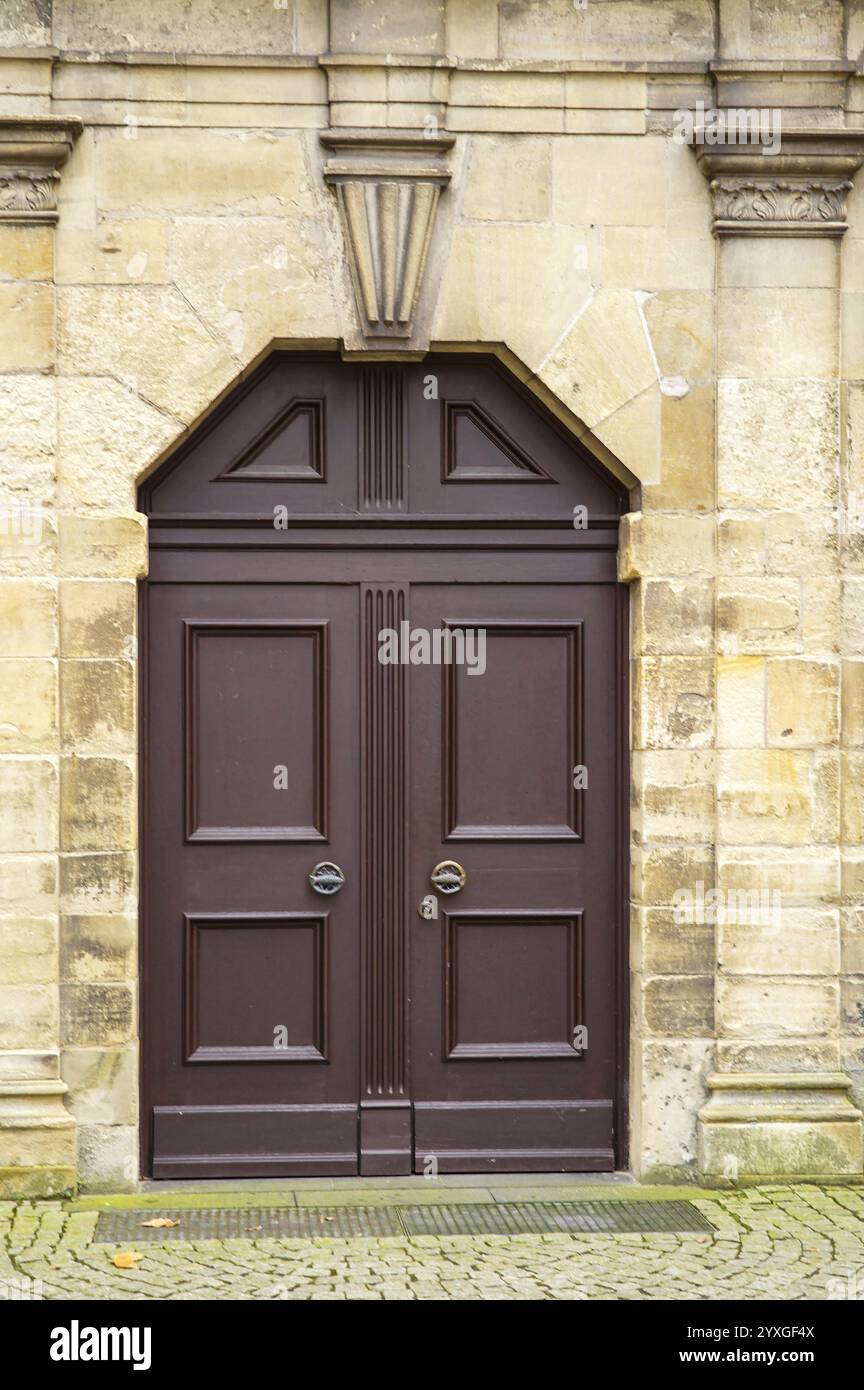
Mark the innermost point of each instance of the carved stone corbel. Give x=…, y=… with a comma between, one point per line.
x=798, y=188
x=388, y=184
x=32, y=151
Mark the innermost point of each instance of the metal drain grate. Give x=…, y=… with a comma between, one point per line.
x=438, y=1219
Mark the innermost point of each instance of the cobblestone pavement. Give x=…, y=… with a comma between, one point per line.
x=791, y=1242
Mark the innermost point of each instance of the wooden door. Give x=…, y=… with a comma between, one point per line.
x=513, y=782
x=252, y=1005
x=290, y=1031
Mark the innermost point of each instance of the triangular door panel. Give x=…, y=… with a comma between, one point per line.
x=290, y=446
x=477, y=450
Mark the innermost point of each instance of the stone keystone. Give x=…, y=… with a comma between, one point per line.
x=388, y=184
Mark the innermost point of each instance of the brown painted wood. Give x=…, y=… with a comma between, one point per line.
x=433, y=493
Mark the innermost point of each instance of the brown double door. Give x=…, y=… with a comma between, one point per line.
x=293, y=1031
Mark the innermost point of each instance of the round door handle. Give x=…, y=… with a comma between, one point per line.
x=327, y=878
x=448, y=876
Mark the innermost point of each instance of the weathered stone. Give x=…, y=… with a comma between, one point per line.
x=97, y=703
x=98, y=806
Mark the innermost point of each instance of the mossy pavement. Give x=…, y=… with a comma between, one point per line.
x=779, y=1242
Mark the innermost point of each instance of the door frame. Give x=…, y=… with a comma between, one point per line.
x=622, y=721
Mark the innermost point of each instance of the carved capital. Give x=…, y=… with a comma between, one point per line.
x=32, y=151
x=388, y=184
x=797, y=186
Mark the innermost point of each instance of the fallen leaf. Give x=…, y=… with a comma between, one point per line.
x=126, y=1259
x=160, y=1221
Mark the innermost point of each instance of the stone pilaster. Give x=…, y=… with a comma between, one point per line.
x=779, y=1102
x=37, y=1134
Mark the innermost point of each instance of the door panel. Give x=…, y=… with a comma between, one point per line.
x=251, y=704
x=501, y=1079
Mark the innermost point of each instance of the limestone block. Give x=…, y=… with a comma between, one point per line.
x=758, y=615
x=852, y=940
x=107, y=1158
x=673, y=616
x=686, y=477
x=852, y=617
x=96, y=1013
x=658, y=258
x=801, y=941
x=195, y=171
x=675, y=795
x=121, y=252
x=509, y=179
x=679, y=1006
x=610, y=180
x=852, y=873
x=24, y=24
x=97, y=618
x=28, y=883
x=37, y=1139
x=770, y=262
x=148, y=337
x=26, y=253
x=674, y=702
x=852, y=704
x=248, y=279
x=103, y=1084
x=519, y=284
x=673, y=948
x=665, y=544
x=766, y=1008
x=27, y=313
x=826, y=782
x=803, y=875
x=28, y=950
x=853, y=797
x=778, y=444
x=106, y=434
x=632, y=434
x=740, y=702
x=758, y=333
x=660, y=871
x=671, y=1090
x=852, y=1007
x=27, y=442
x=821, y=616
x=28, y=1015
x=557, y=29
x=803, y=543
x=681, y=328
x=28, y=804
x=103, y=547
x=28, y=705
x=472, y=29
x=101, y=883
x=764, y=796
x=803, y=706
x=28, y=540
x=740, y=545
x=852, y=310
x=97, y=705
x=98, y=949
x=98, y=804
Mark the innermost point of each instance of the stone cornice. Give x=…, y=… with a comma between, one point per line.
x=388, y=184
x=797, y=188
x=33, y=149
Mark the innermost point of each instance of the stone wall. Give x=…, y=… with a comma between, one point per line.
x=718, y=369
